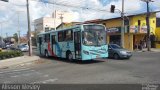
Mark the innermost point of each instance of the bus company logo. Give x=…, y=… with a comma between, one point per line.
x=149, y=87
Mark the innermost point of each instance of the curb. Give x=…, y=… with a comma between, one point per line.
x=147, y=51
x=17, y=60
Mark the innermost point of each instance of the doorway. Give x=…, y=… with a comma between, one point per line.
x=77, y=44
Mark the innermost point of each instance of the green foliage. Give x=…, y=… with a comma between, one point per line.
x=15, y=36
x=10, y=54
x=0, y=49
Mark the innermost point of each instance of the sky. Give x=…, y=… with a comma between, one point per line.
x=82, y=10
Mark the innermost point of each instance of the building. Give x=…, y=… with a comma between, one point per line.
x=67, y=25
x=49, y=23
x=44, y=24
x=135, y=29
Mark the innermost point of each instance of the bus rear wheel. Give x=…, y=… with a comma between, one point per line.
x=69, y=56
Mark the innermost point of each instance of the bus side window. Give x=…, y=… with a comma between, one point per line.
x=60, y=36
x=68, y=35
x=47, y=38
x=53, y=39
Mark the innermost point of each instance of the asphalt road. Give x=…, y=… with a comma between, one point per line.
x=143, y=67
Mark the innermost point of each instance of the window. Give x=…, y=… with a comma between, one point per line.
x=53, y=39
x=60, y=36
x=153, y=21
x=68, y=35
x=47, y=38
x=77, y=36
x=139, y=22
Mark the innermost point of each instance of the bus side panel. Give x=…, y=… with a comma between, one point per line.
x=44, y=47
x=63, y=47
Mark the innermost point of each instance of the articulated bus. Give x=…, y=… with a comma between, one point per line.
x=80, y=42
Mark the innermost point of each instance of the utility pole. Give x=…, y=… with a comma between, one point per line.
x=148, y=25
x=29, y=30
x=18, y=29
x=61, y=17
x=54, y=20
x=19, y=37
x=122, y=27
x=54, y=15
x=148, y=28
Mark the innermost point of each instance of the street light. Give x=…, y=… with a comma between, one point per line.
x=148, y=25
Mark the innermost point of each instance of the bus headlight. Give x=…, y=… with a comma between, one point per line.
x=85, y=52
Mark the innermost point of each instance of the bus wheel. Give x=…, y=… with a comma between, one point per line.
x=69, y=56
x=46, y=53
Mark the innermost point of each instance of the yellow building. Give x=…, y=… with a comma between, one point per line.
x=135, y=30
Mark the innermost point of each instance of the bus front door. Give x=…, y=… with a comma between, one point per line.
x=77, y=44
x=53, y=44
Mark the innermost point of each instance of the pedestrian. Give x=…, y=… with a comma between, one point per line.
x=144, y=44
x=136, y=45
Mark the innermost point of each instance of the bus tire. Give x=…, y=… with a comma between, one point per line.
x=46, y=53
x=69, y=56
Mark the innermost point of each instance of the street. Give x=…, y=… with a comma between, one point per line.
x=143, y=67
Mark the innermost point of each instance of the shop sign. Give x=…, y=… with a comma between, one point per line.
x=133, y=29
x=143, y=29
x=114, y=30
x=138, y=29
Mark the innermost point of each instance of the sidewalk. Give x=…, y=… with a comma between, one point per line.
x=17, y=60
x=145, y=50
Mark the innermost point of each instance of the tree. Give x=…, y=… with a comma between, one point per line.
x=15, y=36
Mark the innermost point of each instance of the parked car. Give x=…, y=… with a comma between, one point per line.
x=23, y=48
x=13, y=48
x=117, y=52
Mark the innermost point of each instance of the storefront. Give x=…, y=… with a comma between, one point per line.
x=140, y=37
x=135, y=30
x=114, y=35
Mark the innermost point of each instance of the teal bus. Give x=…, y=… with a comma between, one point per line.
x=80, y=42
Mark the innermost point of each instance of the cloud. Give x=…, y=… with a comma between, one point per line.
x=92, y=9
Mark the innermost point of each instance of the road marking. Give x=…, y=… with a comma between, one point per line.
x=15, y=76
x=47, y=81
x=46, y=75
x=14, y=71
x=7, y=82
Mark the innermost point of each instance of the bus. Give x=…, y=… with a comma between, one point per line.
x=80, y=42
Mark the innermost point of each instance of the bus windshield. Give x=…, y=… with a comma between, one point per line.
x=94, y=35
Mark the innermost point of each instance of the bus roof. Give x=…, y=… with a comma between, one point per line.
x=67, y=28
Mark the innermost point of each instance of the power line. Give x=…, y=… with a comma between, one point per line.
x=74, y=6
